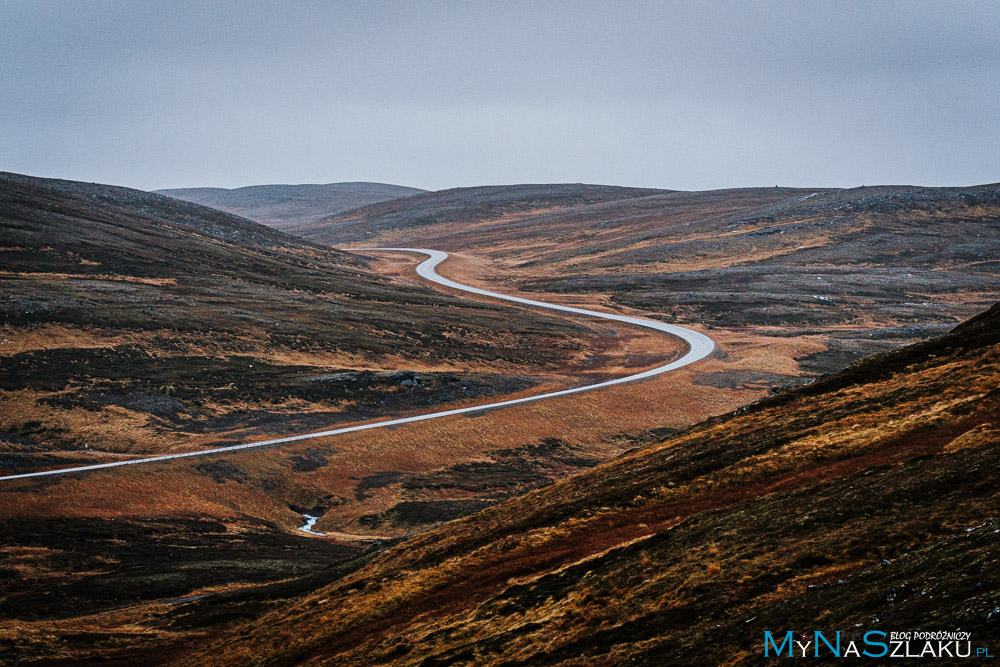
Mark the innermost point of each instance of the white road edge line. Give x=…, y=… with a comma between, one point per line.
x=699, y=347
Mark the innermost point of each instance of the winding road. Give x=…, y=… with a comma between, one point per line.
x=699, y=347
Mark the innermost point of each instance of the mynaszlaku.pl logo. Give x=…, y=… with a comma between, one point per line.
x=873, y=644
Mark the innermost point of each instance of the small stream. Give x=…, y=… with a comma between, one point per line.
x=307, y=527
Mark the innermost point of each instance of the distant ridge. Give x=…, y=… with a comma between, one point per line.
x=497, y=203
x=281, y=206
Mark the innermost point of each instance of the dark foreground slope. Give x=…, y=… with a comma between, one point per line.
x=867, y=500
x=133, y=322
x=281, y=206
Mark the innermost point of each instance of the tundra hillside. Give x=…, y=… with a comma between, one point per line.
x=864, y=501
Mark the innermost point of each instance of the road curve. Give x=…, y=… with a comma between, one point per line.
x=699, y=347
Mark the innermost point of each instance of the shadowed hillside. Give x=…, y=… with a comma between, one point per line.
x=864, y=501
x=132, y=321
x=281, y=206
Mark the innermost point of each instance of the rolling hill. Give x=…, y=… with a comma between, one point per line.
x=855, y=271
x=281, y=206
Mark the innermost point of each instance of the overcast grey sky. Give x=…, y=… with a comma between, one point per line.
x=689, y=95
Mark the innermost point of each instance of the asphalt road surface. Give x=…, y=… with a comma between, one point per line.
x=699, y=347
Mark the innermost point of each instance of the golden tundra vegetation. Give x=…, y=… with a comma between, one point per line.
x=139, y=324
